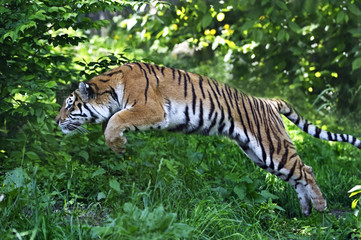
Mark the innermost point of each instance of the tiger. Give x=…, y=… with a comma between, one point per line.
x=143, y=96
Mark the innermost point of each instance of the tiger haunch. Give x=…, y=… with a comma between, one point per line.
x=141, y=96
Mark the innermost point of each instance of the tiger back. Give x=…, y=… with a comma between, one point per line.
x=141, y=96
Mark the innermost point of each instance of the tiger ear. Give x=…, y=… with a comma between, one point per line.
x=86, y=91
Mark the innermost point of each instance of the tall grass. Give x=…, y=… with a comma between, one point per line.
x=173, y=186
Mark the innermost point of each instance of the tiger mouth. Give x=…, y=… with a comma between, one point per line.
x=70, y=127
x=73, y=126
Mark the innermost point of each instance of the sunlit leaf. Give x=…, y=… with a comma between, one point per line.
x=354, y=203
x=50, y=84
x=355, y=188
x=40, y=15
x=355, y=193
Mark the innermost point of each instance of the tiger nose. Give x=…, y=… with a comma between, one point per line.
x=57, y=119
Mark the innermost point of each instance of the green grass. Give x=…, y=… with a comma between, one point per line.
x=172, y=186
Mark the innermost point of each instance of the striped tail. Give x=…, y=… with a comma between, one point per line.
x=288, y=111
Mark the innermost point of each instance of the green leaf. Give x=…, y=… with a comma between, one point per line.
x=114, y=184
x=287, y=36
x=32, y=155
x=39, y=15
x=356, y=64
x=29, y=77
x=356, y=32
x=62, y=24
x=129, y=207
x=340, y=16
x=282, y=5
x=266, y=194
x=258, y=35
x=202, y=6
x=15, y=177
x=12, y=34
x=240, y=191
x=50, y=84
x=100, y=196
x=353, y=9
x=246, y=179
x=294, y=27
x=269, y=10
x=206, y=20
x=281, y=34
x=247, y=25
x=56, y=9
x=23, y=27
x=98, y=172
x=84, y=154
x=264, y=2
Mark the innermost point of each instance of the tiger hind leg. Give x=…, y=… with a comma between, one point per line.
x=304, y=182
x=318, y=201
x=299, y=175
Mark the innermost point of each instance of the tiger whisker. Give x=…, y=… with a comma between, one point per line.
x=76, y=127
x=81, y=130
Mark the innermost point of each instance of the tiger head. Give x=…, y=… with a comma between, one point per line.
x=85, y=104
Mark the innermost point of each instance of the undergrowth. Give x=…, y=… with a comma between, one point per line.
x=173, y=186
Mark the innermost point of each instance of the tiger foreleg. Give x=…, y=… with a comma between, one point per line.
x=139, y=117
x=114, y=137
x=117, y=145
x=116, y=142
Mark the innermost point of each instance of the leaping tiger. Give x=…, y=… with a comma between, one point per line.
x=141, y=96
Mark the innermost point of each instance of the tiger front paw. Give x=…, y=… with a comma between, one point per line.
x=115, y=141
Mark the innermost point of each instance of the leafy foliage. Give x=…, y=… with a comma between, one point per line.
x=171, y=186
x=135, y=223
